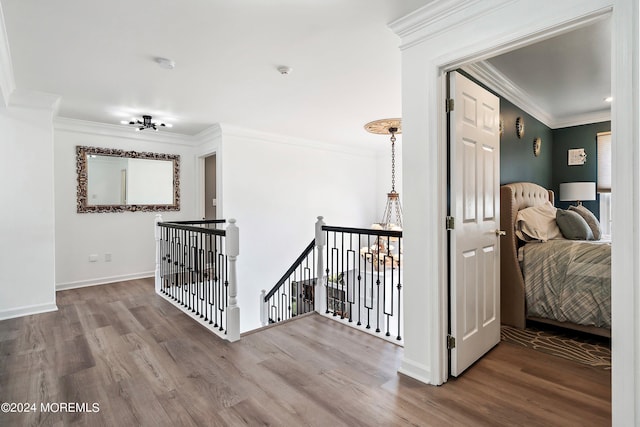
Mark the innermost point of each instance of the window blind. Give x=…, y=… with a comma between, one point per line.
x=604, y=162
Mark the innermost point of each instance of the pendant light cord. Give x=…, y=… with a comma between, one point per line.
x=393, y=159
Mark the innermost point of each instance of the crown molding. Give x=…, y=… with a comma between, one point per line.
x=119, y=131
x=582, y=119
x=239, y=132
x=494, y=79
x=499, y=83
x=7, y=80
x=210, y=134
x=431, y=19
x=35, y=100
x=428, y=15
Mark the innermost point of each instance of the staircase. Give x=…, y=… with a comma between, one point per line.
x=352, y=275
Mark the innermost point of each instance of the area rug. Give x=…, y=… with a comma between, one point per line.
x=578, y=348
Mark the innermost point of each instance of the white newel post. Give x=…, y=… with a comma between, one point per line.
x=319, y=292
x=233, y=314
x=264, y=308
x=158, y=235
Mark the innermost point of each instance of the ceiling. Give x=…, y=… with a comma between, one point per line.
x=566, y=78
x=99, y=57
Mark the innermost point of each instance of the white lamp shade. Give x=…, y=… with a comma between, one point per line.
x=577, y=191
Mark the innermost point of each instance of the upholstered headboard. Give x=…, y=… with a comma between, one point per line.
x=514, y=197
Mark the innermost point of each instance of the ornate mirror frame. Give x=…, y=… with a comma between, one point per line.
x=82, y=172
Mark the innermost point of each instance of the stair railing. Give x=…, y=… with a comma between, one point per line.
x=196, y=272
x=353, y=275
x=294, y=293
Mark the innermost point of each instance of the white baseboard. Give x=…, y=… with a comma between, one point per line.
x=28, y=310
x=103, y=280
x=416, y=371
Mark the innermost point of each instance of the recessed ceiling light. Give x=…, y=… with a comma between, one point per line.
x=168, y=64
x=608, y=99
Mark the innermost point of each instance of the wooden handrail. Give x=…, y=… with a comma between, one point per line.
x=291, y=269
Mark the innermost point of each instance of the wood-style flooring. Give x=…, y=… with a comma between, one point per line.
x=145, y=363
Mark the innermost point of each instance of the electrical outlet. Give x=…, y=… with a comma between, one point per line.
x=93, y=258
x=107, y=257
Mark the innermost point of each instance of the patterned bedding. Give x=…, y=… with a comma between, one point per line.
x=568, y=281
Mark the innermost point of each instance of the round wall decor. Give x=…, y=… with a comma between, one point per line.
x=520, y=127
x=537, y=146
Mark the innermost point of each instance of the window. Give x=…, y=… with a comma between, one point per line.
x=604, y=180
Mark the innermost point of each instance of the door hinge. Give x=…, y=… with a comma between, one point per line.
x=451, y=342
x=448, y=105
x=450, y=223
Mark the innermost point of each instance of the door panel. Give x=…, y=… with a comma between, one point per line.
x=474, y=203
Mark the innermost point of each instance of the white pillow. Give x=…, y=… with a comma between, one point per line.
x=537, y=223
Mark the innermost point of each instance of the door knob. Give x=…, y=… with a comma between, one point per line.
x=500, y=233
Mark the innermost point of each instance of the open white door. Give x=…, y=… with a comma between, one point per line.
x=474, y=163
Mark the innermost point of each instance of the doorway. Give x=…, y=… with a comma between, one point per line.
x=210, y=193
x=520, y=161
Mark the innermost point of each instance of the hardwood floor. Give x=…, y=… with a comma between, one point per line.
x=145, y=363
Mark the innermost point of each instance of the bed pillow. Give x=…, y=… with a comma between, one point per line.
x=573, y=226
x=591, y=219
x=537, y=223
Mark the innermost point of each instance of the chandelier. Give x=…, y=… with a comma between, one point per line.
x=146, y=123
x=384, y=253
x=392, y=216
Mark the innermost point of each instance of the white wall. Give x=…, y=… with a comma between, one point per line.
x=276, y=187
x=27, y=215
x=127, y=236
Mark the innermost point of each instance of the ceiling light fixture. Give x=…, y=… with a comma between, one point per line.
x=146, y=123
x=392, y=217
x=608, y=99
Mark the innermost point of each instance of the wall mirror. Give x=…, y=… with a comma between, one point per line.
x=111, y=180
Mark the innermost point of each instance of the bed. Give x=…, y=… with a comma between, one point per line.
x=561, y=282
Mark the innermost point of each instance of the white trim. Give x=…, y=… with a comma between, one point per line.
x=428, y=20
x=416, y=371
x=103, y=280
x=582, y=119
x=34, y=100
x=7, y=80
x=431, y=20
x=625, y=209
x=498, y=82
x=210, y=134
x=28, y=310
x=238, y=132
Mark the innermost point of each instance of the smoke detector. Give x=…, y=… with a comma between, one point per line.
x=284, y=70
x=168, y=64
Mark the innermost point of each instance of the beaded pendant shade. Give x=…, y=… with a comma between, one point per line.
x=392, y=216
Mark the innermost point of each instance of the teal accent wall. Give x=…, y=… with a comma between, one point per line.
x=565, y=139
x=549, y=169
x=517, y=161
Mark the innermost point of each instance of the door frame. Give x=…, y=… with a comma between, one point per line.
x=458, y=63
x=435, y=40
